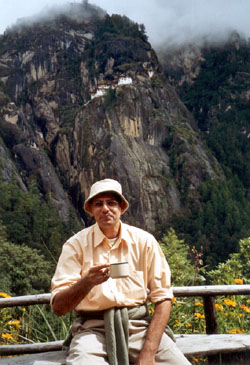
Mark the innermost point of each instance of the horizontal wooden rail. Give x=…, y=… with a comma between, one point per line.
x=211, y=290
x=33, y=348
x=25, y=300
x=191, y=291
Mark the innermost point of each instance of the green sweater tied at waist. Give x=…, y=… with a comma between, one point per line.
x=116, y=324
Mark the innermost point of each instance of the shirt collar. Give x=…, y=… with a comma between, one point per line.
x=99, y=237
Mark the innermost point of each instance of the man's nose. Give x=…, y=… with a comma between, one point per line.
x=105, y=207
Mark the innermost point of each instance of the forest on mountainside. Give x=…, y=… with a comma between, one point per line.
x=218, y=98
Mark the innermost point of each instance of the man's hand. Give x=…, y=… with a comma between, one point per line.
x=66, y=300
x=154, y=333
x=97, y=275
x=145, y=359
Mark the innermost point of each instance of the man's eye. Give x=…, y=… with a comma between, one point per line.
x=112, y=203
x=98, y=204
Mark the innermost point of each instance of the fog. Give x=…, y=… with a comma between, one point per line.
x=170, y=22
x=179, y=21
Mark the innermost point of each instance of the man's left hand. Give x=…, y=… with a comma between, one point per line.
x=154, y=333
x=145, y=359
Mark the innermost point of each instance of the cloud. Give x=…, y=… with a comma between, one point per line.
x=53, y=10
x=181, y=21
x=13, y=10
x=168, y=22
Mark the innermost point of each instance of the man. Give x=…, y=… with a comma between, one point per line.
x=82, y=283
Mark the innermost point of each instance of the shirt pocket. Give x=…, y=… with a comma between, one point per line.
x=133, y=286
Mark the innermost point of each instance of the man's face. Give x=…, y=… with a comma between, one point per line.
x=107, y=211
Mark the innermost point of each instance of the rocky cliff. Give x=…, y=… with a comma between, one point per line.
x=213, y=81
x=83, y=97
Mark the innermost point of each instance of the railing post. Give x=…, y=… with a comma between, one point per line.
x=210, y=315
x=211, y=324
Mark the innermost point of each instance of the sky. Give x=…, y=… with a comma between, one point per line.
x=176, y=21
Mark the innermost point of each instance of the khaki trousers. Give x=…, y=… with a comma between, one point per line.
x=88, y=345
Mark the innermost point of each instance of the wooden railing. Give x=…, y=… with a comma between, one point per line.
x=208, y=293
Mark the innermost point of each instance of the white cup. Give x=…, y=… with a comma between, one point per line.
x=119, y=270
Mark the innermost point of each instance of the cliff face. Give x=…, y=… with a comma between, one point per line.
x=216, y=89
x=83, y=98
x=213, y=81
x=181, y=64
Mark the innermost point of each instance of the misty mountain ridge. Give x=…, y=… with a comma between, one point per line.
x=88, y=99
x=174, y=38
x=76, y=12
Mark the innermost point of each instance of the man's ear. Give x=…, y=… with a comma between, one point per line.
x=123, y=206
x=90, y=208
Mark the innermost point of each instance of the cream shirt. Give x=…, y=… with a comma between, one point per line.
x=149, y=277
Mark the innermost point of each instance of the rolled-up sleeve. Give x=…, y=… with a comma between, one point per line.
x=159, y=275
x=64, y=276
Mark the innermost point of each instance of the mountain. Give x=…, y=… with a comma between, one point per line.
x=83, y=97
x=213, y=81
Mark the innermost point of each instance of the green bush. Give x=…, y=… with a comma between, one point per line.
x=23, y=270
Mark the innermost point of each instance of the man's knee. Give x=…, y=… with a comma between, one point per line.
x=87, y=347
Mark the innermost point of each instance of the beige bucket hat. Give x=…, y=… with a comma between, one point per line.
x=105, y=186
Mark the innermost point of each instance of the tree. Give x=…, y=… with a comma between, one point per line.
x=31, y=220
x=183, y=271
x=236, y=267
x=23, y=269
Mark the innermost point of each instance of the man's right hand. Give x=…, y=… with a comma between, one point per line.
x=66, y=300
x=97, y=274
